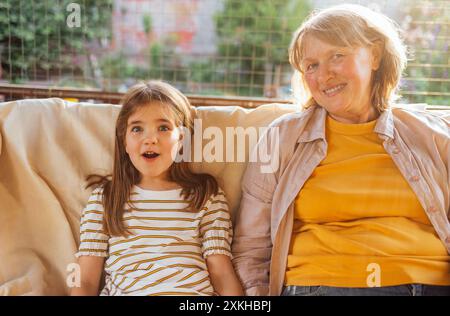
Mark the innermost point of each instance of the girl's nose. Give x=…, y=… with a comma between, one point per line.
x=151, y=138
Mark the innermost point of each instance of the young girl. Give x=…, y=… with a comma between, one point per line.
x=162, y=229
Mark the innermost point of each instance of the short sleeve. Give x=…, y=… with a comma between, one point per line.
x=216, y=229
x=93, y=240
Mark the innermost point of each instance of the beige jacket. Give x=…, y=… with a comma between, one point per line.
x=417, y=141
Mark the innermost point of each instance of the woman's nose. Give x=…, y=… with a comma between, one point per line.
x=324, y=72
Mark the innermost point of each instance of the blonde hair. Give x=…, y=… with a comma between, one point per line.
x=196, y=188
x=353, y=26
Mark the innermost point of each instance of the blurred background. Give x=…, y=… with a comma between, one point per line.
x=217, y=48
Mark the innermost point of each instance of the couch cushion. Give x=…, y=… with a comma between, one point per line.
x=229, y=172
x=48, y=148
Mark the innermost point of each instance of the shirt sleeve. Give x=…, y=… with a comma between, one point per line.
x=216, y=229
x=93, y=240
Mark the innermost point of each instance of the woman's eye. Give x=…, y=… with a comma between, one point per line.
x=311, y=67
x=337, y=56
x=136, y=129
x=164, y=128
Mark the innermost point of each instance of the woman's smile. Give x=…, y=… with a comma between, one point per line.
x=331, y=92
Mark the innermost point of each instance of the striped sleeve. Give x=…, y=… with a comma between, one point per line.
x=216, y=229
x=93, y=240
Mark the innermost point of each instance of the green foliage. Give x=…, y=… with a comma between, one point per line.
x=427, y=76
x=200, y=72
x=147, y=22
x=35, y=37
x=162, y=64
x=117, y=67
x=156, y=51
x=254, y=39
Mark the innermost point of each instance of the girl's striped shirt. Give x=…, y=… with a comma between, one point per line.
x=165, y=255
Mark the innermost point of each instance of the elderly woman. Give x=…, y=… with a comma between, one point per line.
x=360, y=202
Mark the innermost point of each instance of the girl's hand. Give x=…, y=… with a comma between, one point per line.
x=91, y=269
x=223, y=277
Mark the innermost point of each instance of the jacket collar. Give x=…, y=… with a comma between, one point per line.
x=385, y=124
x=315, y=117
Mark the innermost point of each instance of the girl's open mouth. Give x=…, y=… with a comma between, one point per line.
x=150, y=155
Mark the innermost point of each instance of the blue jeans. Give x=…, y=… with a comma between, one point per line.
x=400, y=290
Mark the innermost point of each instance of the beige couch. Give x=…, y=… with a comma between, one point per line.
x=47, y=148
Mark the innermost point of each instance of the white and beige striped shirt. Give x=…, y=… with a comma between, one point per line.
x=165, y=255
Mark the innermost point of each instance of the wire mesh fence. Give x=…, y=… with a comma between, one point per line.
x=208, y=47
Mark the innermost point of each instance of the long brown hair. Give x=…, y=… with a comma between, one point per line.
x=196, y=188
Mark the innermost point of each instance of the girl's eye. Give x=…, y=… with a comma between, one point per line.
x=136, y=129
x=164, y=128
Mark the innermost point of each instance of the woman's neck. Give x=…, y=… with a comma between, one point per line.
x=356, y=118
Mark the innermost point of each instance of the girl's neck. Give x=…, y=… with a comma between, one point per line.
x=158, y=185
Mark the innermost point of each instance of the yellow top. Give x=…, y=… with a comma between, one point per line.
x=357, y=222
